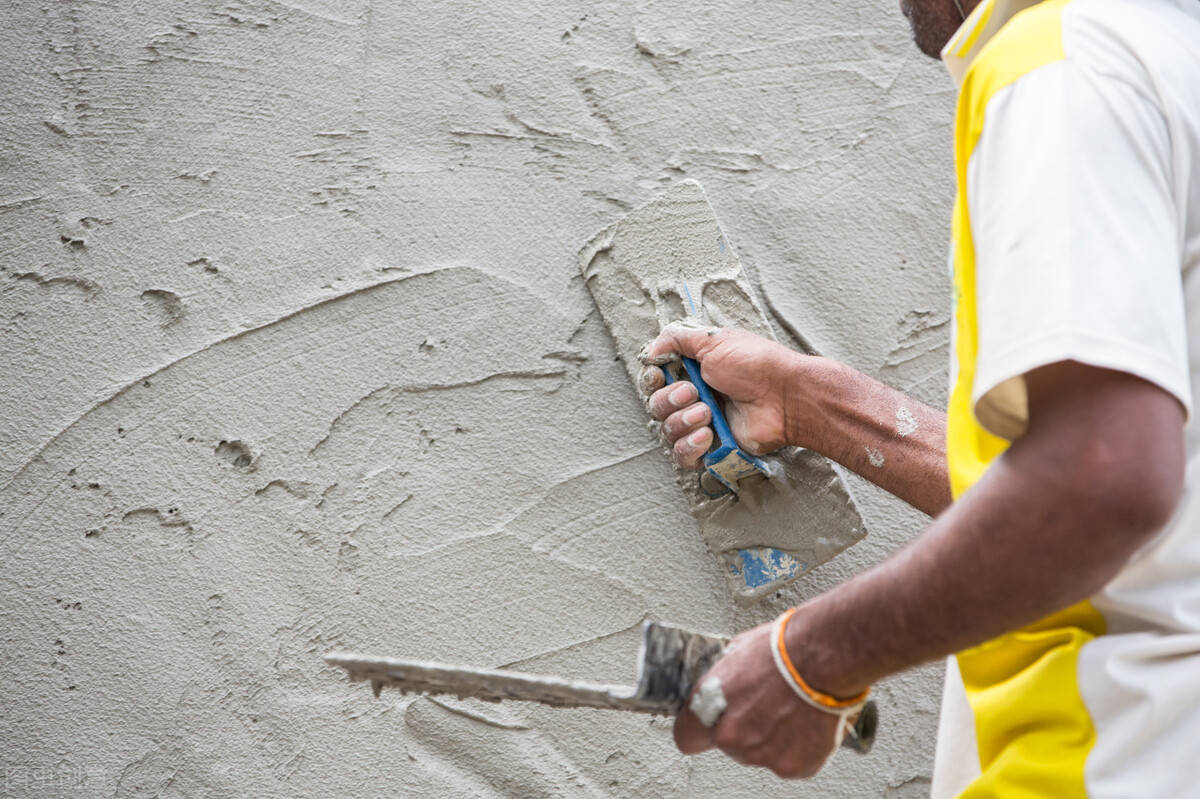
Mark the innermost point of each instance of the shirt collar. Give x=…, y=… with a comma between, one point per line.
x=976, y=31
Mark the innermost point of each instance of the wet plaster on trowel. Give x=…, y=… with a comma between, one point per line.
x=372, y=404
x=669, y=263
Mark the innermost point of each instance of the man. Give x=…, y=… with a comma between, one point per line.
x=1065, y=573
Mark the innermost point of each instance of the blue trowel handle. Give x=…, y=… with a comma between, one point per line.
x=725, y=437
x=726, y=462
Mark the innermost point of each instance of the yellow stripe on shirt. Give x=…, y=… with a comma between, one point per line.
x=1033, y=730
x=978, y=21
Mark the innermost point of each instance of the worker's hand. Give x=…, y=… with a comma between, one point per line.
x=755, y=375
x=764, y=722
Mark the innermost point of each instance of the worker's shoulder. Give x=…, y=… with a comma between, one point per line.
x=1127, y=36
x=1121, y=37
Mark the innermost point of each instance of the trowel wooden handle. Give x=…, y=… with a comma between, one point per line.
x=674, y=660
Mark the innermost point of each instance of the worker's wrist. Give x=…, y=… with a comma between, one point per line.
x=814, y=389
x=828, y=665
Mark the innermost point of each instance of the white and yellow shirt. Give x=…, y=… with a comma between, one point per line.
x=1077, y=237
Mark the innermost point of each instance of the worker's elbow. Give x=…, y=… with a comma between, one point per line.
x=1144, y=506
x=1131, y=498
x=1106, y=450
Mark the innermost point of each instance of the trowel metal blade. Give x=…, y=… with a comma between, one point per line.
x=671, y=661
x=668, y=261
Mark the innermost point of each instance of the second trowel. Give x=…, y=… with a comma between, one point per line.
x=771, y=518
x=672, y=661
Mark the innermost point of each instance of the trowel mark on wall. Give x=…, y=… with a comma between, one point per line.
x=911, y=788
x=472, y=709
x=726, y=160
x=156, y=771
x=205, y=263
x=73, y=240
x=464, y=748
x=397, y=506
x=384, y=399
x=918, y=332
x=299, y=643
x=88, y=287
x=245, y=689
x=202, y=175
x=308, y=538
x=347, y=556
x=350, y=169
x=298, y=489
x=916, y=362
x=146, y=520
x=470, y=283
x=167, y=303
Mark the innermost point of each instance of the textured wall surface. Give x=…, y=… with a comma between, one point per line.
x=295, y=355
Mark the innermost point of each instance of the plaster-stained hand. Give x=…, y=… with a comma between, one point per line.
x=752, y=372
x=764, y=723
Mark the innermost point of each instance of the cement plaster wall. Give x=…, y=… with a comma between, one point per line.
x=295, y=354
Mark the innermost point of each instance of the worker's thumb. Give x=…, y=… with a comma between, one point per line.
x=691, y=342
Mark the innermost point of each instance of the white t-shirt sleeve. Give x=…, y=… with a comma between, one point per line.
x=1078, y=251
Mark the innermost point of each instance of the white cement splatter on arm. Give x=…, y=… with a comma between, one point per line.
x=875, y=457
x=906, y=423
x=709, y=703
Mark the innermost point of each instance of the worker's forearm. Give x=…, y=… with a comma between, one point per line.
x=989, y=565
x=1050, y=523
x=874, y=430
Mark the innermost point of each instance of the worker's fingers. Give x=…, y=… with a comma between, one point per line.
x=686, y=421
x=688, y=341
x=650, y=380
x=689, y=449
x=691, y=737
x=666, y=401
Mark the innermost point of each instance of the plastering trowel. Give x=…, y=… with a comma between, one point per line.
x=671, y=662
x=771, y=518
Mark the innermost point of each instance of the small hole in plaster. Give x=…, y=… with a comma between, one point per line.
x=236, y=454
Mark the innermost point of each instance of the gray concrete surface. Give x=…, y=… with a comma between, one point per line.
x=296, y=355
